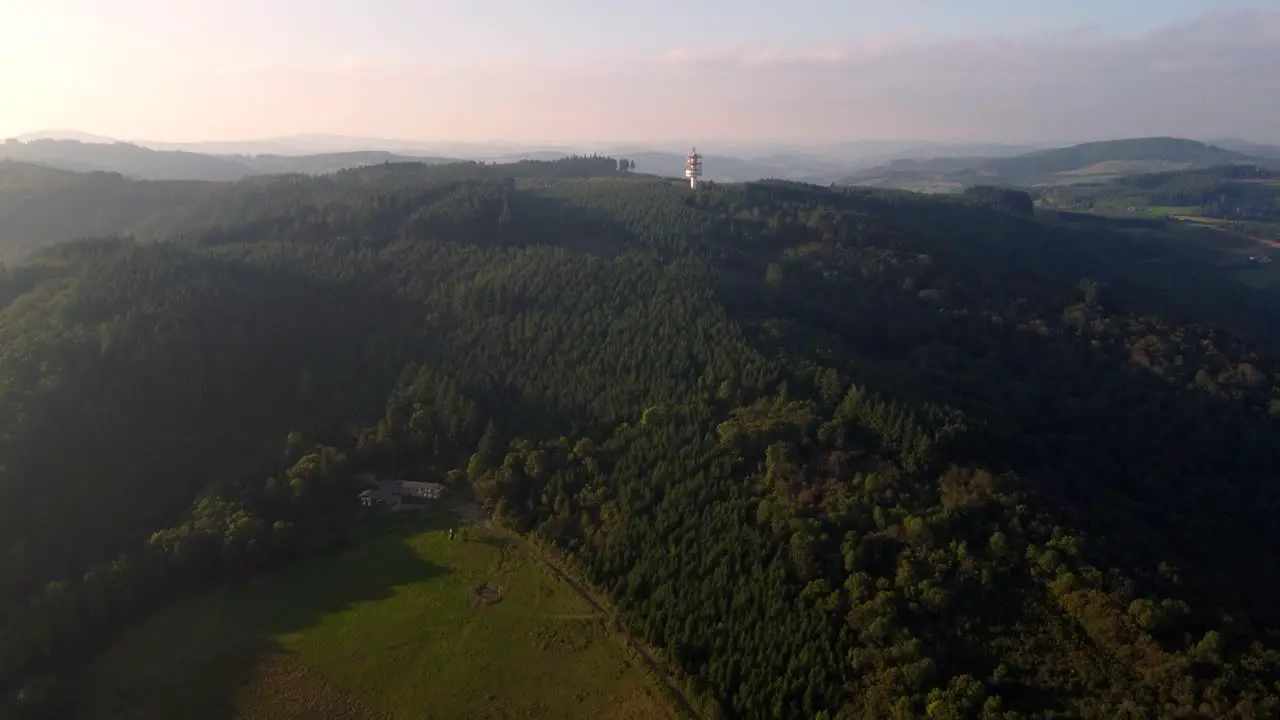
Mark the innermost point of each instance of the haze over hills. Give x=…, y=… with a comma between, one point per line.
x=1086, y=162
x=156, y=161
x=144, y=163
x=40, y=206
x=1248, y=147
x=76, y=135
x=901, y=164
x=310, y=144
x=223, y=160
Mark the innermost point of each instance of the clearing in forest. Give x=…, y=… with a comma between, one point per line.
x=391, y=628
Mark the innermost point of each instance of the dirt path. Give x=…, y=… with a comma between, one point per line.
x=477, y=515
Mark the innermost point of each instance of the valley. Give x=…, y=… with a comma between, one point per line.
x=1228, y=216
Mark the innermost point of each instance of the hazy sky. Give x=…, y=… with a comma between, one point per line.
x=616, y=70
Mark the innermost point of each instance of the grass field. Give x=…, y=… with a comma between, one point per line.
x=390, y=629
x=1116, y=168
x=1173, y=210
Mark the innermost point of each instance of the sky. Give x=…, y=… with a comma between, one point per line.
x=799, y=71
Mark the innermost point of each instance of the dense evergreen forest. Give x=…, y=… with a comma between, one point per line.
x=835, y=452
x=40, y=206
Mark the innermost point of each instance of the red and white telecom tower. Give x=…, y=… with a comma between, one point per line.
x=693, y=167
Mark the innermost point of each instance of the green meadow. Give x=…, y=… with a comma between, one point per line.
x=408, y=624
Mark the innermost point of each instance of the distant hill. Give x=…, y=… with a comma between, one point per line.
x=821, y=164
x=40, y=206
x=869, y=153
x=328, y=162
x=717, y=165
x=1249, y=148
x=1227, y=193
x=940, y=174
x=1044, y=165
x=1078, y=163
x=66, y=135
x=725, y=161
x=1226, y=217
x=723, y=168
x=130, y=160
x=142, y=163
x=910, y=165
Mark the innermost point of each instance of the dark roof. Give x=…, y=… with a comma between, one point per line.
x=381, y=495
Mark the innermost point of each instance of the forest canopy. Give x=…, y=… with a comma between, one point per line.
x=834, y=452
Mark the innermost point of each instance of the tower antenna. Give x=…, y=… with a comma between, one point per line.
x=693, y=167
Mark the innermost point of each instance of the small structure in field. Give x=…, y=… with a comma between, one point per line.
x=394, y=493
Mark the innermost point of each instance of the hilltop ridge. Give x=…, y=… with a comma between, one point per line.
x=911, y=165
x=1086, y=162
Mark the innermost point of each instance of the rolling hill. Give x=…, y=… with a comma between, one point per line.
x=325, y=163
x=138, y=162
x=224, y=160
x=40, y=206
x=828, y=452
x=1230, y=192
x=1088, y=162
x=129, y=160
x=906, y=165
x=1225, y=216
x=1248, y=147
x=142, y=163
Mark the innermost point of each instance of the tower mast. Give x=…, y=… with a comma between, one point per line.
x=693, y=167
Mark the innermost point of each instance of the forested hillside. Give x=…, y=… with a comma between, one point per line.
x=1088, y=162
x=40, y=206
x=124, y=158
x=1173, y=151
x=834, y=452
x=142, y=163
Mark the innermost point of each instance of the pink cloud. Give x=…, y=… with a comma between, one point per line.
x=772, y=57
x=1079, y=83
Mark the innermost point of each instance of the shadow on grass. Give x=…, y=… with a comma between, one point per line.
x=203, y=658
x=297, y=598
